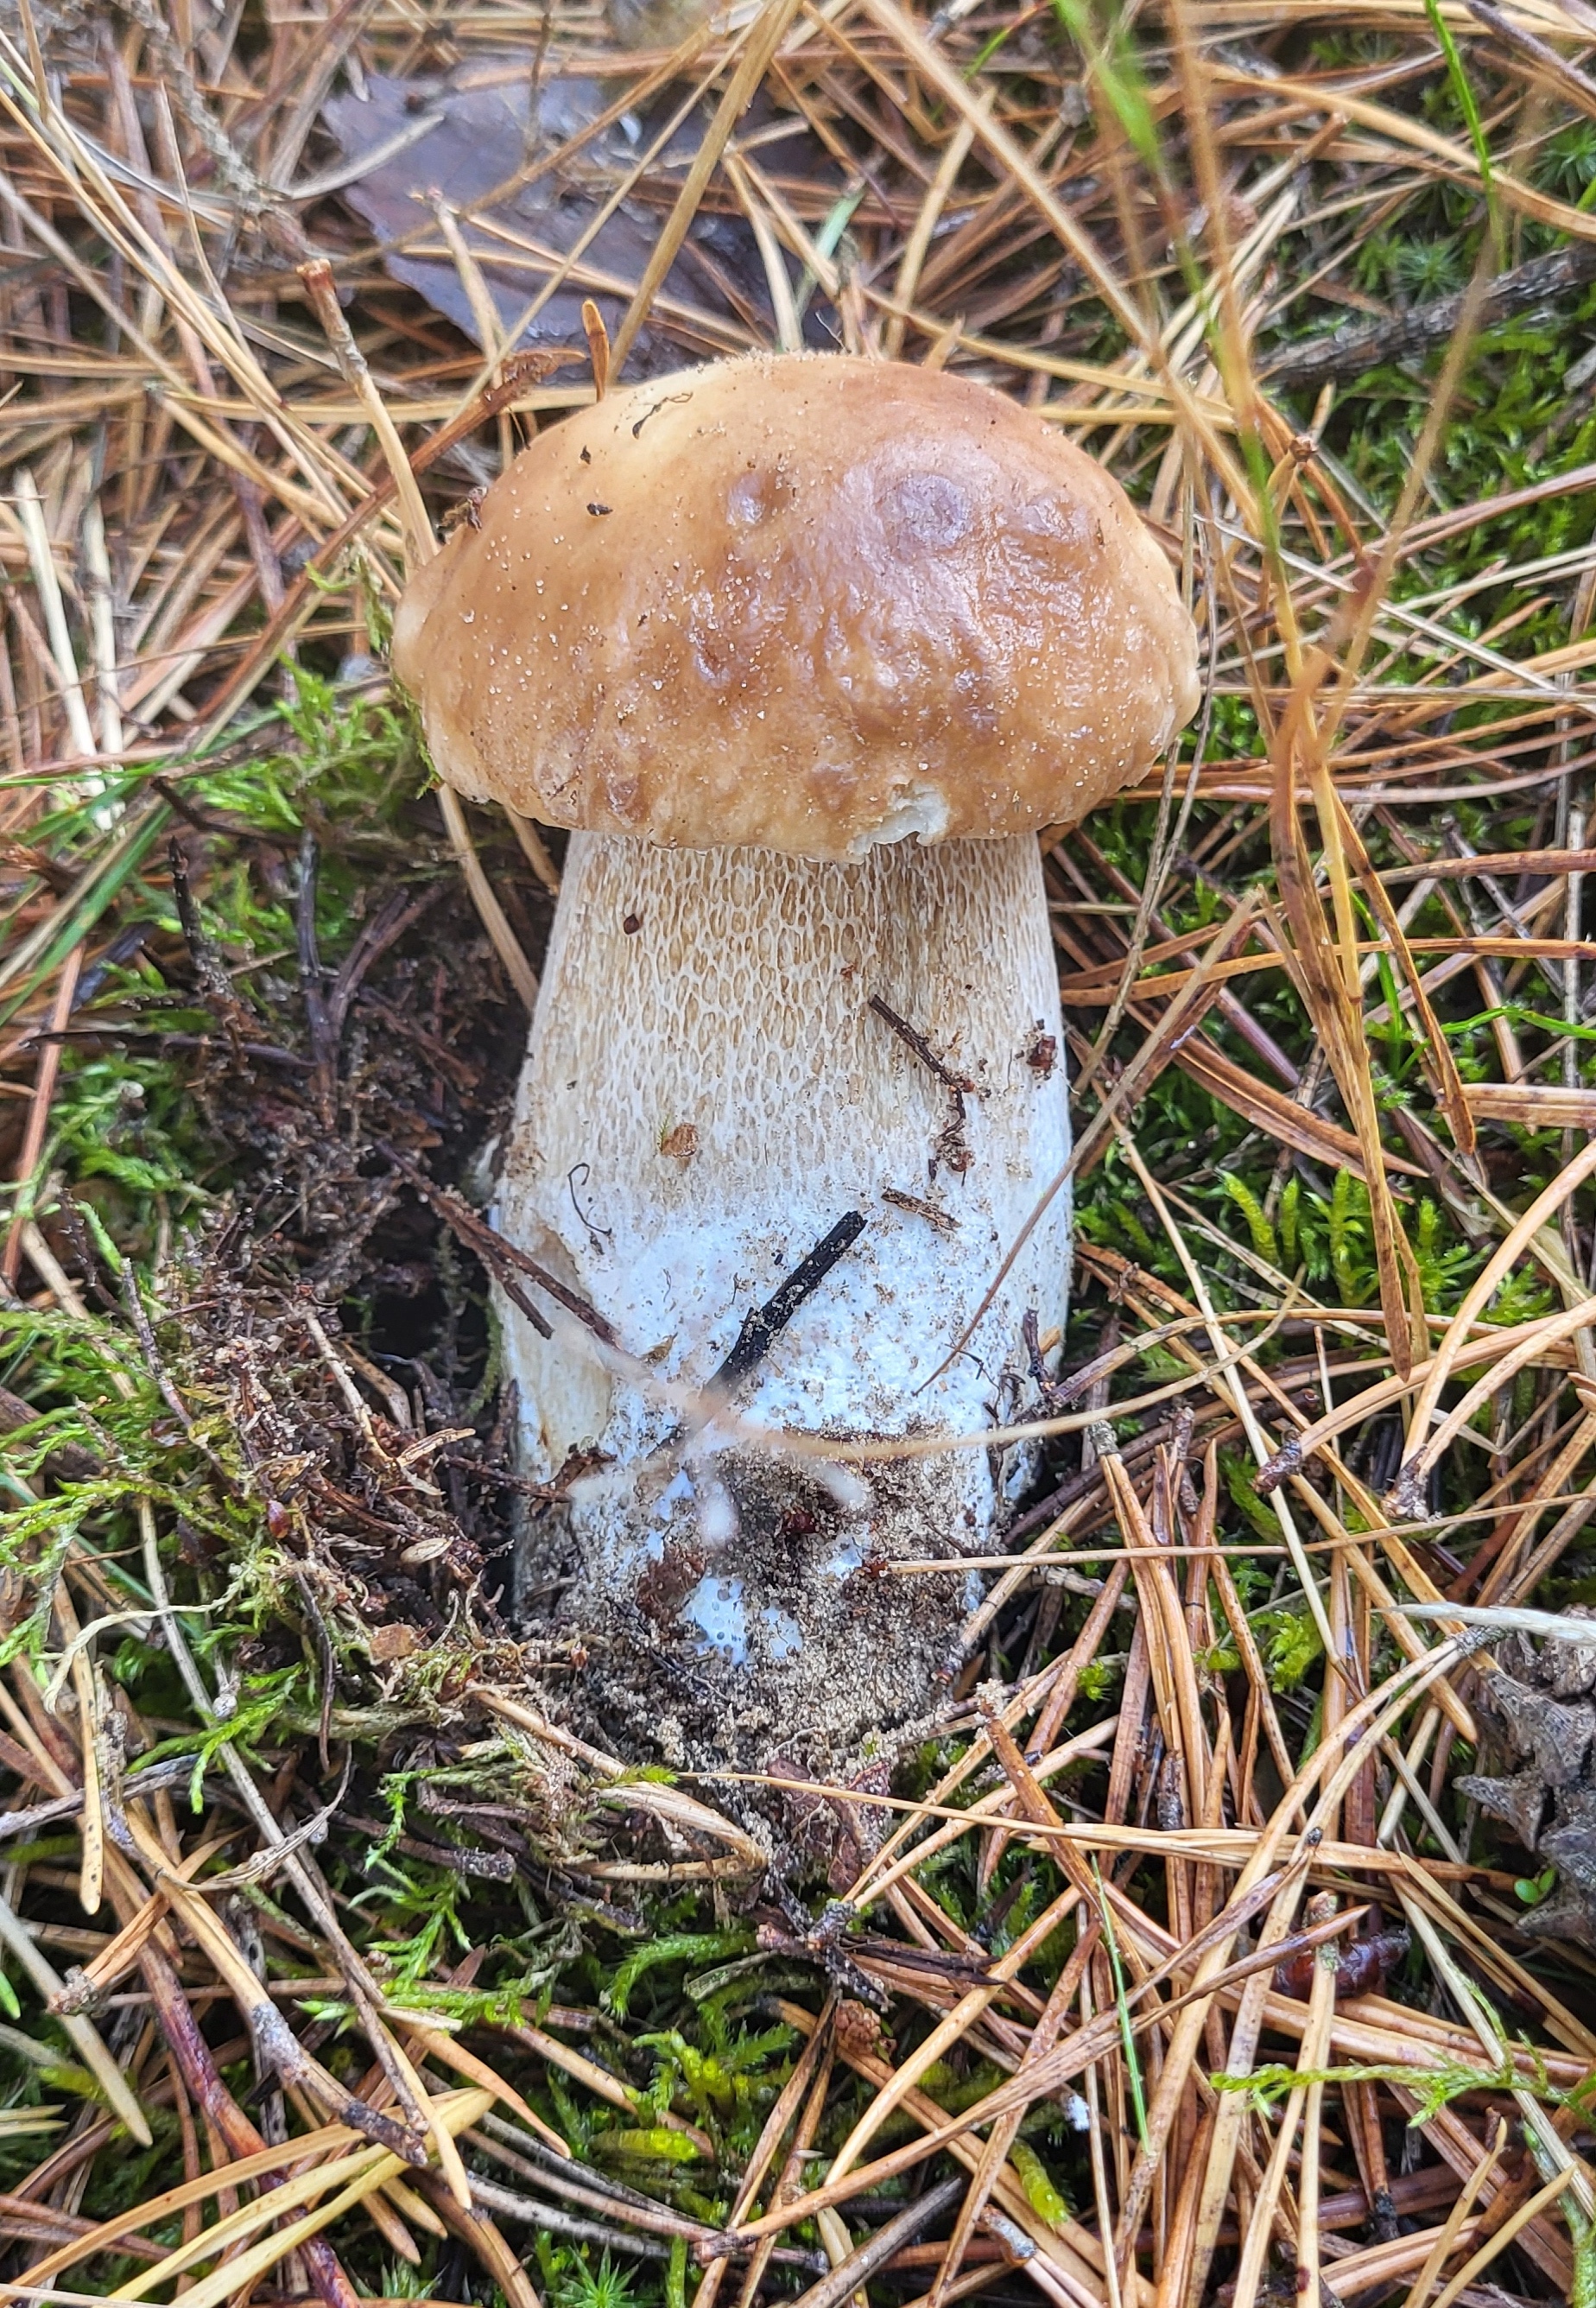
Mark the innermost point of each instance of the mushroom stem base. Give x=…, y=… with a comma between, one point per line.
x=733, y=1051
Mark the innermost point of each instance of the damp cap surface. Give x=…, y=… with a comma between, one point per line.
x=799, y=602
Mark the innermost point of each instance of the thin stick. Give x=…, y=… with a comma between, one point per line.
x=759, y=43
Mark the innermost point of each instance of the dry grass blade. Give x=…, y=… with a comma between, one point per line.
x=358, y=2177
x=85, y=2039
x=1327, y=973
x=759, y=45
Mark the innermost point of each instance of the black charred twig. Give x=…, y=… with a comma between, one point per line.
x=762, y=1325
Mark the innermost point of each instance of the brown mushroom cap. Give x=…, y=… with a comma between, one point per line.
x=799, y=602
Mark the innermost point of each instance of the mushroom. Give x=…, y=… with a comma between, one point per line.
x=805, y=649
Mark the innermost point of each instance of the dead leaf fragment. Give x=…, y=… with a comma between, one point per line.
x=395, y=1641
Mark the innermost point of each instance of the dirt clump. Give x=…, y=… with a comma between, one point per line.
x=1539, y=1718
x=793, y=1638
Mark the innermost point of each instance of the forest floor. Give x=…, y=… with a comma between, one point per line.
x=1234, y=1939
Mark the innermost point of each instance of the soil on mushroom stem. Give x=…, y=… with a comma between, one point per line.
x=865, y=1648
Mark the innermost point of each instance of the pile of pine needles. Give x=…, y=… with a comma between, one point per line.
x=1233, y=1938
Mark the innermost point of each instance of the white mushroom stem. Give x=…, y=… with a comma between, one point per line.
x=708, y=1092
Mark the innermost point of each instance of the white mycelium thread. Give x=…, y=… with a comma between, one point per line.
x=708, y=1092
